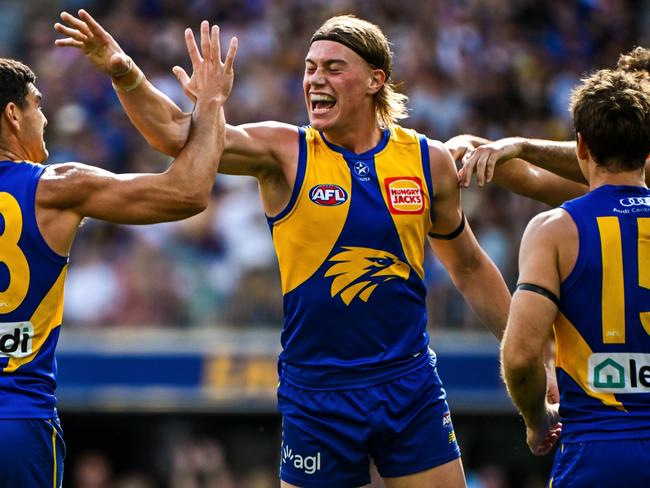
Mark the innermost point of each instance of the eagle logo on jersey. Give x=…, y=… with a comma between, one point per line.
x=359, y=270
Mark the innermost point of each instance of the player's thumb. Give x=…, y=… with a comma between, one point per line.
x=182, y=75
x=119, y=64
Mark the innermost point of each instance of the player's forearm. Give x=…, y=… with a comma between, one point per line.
x=555, y=156
x=486, y=293
x=521, y=177
x=161, y=122
x=192, y=173
x=526, y=384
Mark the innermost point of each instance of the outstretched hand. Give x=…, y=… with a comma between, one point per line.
x=100, y=48
x=209, y=74
x=542, y=438
x=484, y=159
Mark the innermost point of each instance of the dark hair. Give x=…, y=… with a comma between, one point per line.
x=611, y=109
x=14, y=78
x=369, y=42
x=638, y=59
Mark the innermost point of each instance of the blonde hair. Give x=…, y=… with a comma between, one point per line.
x=369, y=42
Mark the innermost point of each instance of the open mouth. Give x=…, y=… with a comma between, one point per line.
x=321, y=103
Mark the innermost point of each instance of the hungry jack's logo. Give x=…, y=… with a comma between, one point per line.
x=359, y=270
x=404, y=195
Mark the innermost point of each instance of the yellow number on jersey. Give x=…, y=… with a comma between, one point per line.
x=613, y=293
x=12, y=256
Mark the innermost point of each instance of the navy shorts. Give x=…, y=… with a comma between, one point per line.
x=32, y=453
x=602, y=464
x=328, y=436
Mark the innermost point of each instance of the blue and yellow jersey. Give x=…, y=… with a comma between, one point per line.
x=31, y=300
x=350, y=245
x=603, y=329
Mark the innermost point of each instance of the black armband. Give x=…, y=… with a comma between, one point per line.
x=540, y=290
x=453, y=234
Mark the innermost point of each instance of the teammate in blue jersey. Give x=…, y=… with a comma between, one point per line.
x=585, y=267
x=350, y=200
x=41, y=208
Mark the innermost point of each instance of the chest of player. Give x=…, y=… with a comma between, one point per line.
x=365, y=197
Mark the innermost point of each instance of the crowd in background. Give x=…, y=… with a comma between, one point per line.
x=490, y=67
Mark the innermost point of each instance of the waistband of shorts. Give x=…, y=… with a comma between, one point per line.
x=310, y=378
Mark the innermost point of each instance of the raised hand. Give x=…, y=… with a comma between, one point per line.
x=542, y=438
x=210, y=76
x=98, y=45
x=484, y=159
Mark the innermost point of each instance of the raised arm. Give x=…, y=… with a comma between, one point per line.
x=252, y=149
x=69, y=192
x=470, y=268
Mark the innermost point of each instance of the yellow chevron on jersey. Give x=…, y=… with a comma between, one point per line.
x=572, y=356
x=46, y=317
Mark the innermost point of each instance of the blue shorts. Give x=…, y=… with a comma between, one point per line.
x=32, y=453
x=602, y=464
x=328, y=436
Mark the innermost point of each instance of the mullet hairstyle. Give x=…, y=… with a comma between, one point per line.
x=14, y=78
x=369, y=42
x=611, y=109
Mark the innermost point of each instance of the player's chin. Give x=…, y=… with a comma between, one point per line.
x=320, y=122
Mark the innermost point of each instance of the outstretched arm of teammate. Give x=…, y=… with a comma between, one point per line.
x=530, y=323
x=470, y=268
x=515, y=175
x=183, y=190
x=251, y=149
x=557, y=157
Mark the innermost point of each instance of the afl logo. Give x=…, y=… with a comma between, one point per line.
x=328, y=195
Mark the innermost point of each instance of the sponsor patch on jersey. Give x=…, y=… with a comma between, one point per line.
x=16, y=339
x=328, y=195
x=404, y=195
x=619, y=372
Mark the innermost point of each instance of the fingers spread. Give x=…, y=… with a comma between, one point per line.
x=230, y=57
x=68, y=42
x=181, y=74
x=67, y=31
x=75, y=22
x=92, y=24
x=215, y=46
x=192, y=48
x=205, y=40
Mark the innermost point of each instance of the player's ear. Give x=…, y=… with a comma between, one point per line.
x=377, y=80
x=582, y=151
x=11, y=116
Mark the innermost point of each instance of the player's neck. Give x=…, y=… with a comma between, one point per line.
x=8, y=152
x=357, y=139
x=599, y=176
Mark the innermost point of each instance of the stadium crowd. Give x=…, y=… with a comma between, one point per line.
x=489, y=67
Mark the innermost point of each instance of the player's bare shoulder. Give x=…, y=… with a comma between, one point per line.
x=443, y=170
x=552, y=225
